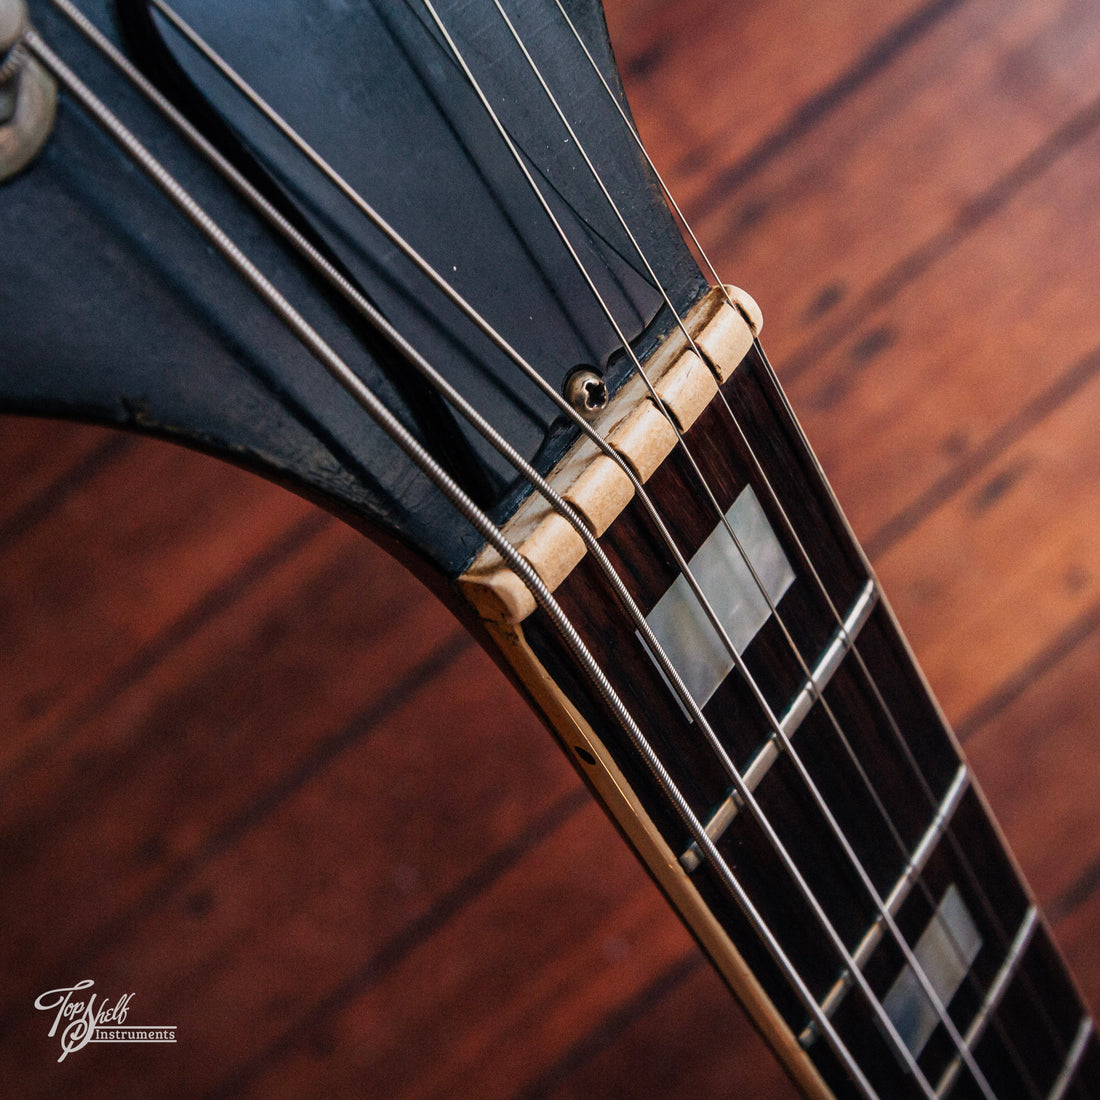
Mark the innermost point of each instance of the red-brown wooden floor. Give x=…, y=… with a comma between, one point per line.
x=252, y=773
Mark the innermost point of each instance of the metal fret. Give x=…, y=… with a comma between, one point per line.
x=1073, y=1059
x=826, y=667
x=896, y=897
x=993, y=997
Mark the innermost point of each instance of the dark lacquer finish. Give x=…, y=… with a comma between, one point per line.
x=135, y=322
x=877, y=751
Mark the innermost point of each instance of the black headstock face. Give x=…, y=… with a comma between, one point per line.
x=121, y=313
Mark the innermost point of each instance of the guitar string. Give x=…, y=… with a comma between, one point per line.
x=884, y=914
x=196, y=41
x=922, y=885
x=437, y=280
x=802, y=884
x=1003, y=935
x=816, y=691
x=315, y=345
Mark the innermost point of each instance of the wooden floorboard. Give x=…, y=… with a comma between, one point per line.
x=252, y=771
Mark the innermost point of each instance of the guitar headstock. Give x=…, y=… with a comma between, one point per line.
x=118, y=311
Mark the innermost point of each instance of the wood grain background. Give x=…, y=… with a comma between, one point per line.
x=253, y=774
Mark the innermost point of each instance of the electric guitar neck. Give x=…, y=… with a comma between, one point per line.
x=474, y=330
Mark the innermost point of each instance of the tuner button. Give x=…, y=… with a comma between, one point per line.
x=28, y=94
x=13, y=18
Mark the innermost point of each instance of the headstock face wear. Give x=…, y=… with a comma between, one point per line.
x=175, y=344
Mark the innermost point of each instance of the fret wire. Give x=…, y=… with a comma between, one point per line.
x=956, y=847
x=898, y=893
x=993, y=996
x=319, y=350
x=1073, y=1059
x=792, y=718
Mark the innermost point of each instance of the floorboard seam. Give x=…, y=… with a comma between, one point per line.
x=175, y=634
x=53, y=496
x=820, y=105
x=974, y=214
x=400, y=946
x=998, y=700
x=959, y=477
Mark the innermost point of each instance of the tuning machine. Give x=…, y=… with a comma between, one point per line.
x=28, y=94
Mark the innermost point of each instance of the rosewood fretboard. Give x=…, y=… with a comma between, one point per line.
x=834, y=670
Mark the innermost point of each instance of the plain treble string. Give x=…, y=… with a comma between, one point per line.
x=883, y=912
x=748, y=799
x=880, y=701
